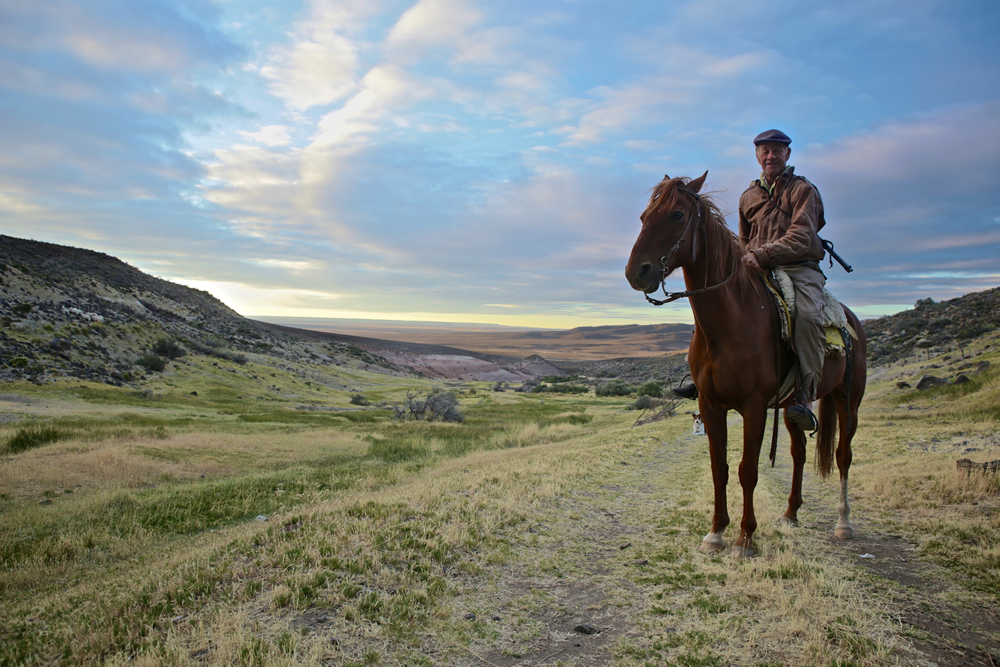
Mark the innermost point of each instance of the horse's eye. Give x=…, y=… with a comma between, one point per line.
x=677, y=215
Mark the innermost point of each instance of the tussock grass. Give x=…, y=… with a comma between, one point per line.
x=33, y=436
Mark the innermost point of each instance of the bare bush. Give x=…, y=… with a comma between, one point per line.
x=436, y=405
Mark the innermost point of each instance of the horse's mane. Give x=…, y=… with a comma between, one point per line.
x=727, y=253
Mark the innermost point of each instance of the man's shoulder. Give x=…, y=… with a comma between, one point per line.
x=798, y=184
x=754, y=185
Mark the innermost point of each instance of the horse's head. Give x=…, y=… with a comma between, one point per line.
x=668, y=237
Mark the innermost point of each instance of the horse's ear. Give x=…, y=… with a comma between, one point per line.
x=695, y=185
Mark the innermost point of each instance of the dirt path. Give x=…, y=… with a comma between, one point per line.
x=611, y=575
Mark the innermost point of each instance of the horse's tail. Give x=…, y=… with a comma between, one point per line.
x=824, y=438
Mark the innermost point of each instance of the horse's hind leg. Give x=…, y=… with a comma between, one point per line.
x=715, y=427
x=848, y=418
x=798, y=437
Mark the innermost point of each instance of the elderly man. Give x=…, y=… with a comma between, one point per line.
x=781, y=214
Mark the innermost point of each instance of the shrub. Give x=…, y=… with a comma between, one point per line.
x=22, y=308
x=615, y=388
x=18, y=362
x=561, y=389
x=169, y=348
x=359, y=399
x=152, y=362
x=556, y=379
x=30, y=437
x=644, y=402
x=652, y=389
x=439, y=405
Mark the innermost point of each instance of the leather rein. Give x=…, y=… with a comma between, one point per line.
x=674, y=296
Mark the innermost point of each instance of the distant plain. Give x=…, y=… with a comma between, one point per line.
x=579, y=344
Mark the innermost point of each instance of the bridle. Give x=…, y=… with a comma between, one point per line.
x=674, y=296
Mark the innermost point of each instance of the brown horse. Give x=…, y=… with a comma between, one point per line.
x=736, y=362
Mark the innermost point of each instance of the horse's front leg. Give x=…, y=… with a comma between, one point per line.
x=715, y=427
x=754, y=421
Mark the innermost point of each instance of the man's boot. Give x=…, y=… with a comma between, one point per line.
x=689, y=391
x=801, y=414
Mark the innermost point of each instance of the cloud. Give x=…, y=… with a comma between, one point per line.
x=320, y=63
x=689, y=83
x=269, y=135
x=152, y=37
x=433, y=23
x=913, y=197
x=291, y=265
x=953, y=150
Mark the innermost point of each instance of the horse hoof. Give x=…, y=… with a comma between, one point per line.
x=713, y=542
x=844, y=533
x=785, y=521
x=743, y=552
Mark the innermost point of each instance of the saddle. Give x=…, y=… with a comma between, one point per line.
x=835, y=323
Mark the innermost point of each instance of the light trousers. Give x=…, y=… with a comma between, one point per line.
x=809, y=338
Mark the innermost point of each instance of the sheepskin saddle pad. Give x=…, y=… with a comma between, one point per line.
x=834, y=319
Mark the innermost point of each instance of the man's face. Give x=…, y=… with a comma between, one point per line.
x=772, y=157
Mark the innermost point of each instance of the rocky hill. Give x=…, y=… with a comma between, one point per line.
x=931, y=325
x=71, y=312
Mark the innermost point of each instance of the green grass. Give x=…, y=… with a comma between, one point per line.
x=106, y=524
x=32, y=436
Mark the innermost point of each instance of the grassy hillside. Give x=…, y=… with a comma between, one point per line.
x=213, y=521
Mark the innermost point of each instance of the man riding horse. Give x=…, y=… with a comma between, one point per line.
x=781, y=214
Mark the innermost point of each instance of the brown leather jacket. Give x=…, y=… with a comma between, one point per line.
x=782, y=228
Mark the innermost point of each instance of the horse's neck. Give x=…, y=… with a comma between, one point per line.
x=724, y=315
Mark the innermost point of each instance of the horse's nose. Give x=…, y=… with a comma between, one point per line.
x=645, y=273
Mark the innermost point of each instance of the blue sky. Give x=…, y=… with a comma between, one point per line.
x=473, y=161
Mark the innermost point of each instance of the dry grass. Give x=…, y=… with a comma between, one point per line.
x=381, y=537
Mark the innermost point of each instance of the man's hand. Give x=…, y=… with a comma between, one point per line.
x=750, y=260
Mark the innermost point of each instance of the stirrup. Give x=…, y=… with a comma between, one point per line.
x=802, y=417
x=689, y=391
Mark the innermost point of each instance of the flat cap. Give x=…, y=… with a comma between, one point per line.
x=777, y=136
